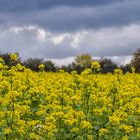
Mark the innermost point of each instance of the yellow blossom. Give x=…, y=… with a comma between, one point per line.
x=102, y=131
x=13, y=56
x=7, y=131
x=85, y=125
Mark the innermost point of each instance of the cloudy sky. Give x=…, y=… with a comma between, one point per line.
x=62, y=29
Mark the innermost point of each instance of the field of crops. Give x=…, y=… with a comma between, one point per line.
x=63, y=106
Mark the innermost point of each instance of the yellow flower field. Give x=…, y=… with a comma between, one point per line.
x=63, y=106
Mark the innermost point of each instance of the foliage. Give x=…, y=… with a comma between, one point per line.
x=95, y=66
x=136, y=60
x=63, y=106
x=10, y=59
x=107, y=65
x=80, y=64
x=83, y=60
x=34, y=63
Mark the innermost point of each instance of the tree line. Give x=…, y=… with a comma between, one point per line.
x=80, y=63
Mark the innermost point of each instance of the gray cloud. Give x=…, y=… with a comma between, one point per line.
x=67, y=28
x=33, y=41
x=32, y=5
x=65, y=17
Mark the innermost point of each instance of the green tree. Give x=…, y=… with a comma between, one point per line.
x=83, y=60
x=136, y=60
x=8, y=61
x=50, y=66
x=33, y=63
x=107, y=65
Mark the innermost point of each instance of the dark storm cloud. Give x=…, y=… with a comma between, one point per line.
x=69, y=18
x=66, y=17
x=38, y=28
x=29, y=5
